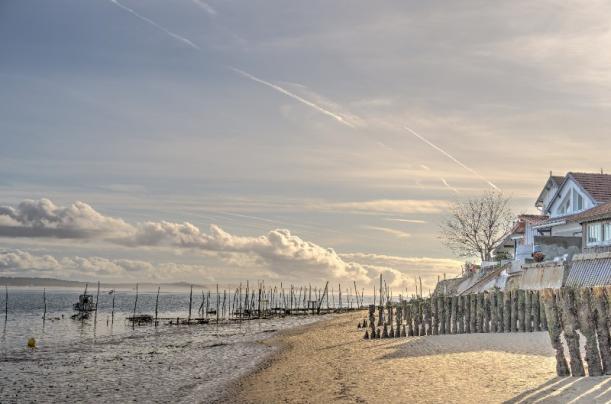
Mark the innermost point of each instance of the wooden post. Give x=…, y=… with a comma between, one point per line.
x=372, y=320
x=442, y=314
x=190, y=304
x=135, y=306
x=410, y=320
x=399, y=321
x=548, y=301
x=157, y=305
x=447, y=308
x=494, y=312
x=5, y=303
x=435, y=315
x=481, y=309
x=500, y=307
x=428, y=323
x=585, y=316
x=528, y=312
x=461, y=315
x=112, y=313
x=454, y=314
x=601, y=318
x=97, y=298
x=514, y=311
x=473, y=304
x=44, y=302
x=507, y=311
x=570, y=325
x=542, y=315
x=467, y=309
x=521, y=310
x=487, y=309
x=536, y=311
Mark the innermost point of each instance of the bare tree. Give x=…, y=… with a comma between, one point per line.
x=477, y=226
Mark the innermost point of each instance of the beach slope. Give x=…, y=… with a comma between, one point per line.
x=330, y=362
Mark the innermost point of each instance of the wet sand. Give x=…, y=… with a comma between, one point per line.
x=330, y=362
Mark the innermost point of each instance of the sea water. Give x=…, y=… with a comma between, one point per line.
x=101, y=360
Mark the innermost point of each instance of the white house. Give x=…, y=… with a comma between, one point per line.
x=560, y=201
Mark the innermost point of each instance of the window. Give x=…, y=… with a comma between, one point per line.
x=564, y=206
x=595, y=233
x=577, y=202
x=607, y=232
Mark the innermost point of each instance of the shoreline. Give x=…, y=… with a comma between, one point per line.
x=328, y=361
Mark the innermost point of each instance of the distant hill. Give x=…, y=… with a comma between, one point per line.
x=61, y=283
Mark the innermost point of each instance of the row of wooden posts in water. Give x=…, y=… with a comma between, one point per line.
x=244, y=303
x=565, y=313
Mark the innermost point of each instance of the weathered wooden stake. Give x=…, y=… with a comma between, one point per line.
x=514, y=311
x=570, y=325
x=461, y=314
x=468, y=314
x=528, y=311
x=157, y=305
x=494, y=312
x=473, y=304
x=442, y=314
x=44, y=302
x=135, y=306
x=507, y=311
x=601, y=310
x=454, y=314
x=435, y=315
x=542, y=315
x=487, y=308
x=447, y=308
x=521, y=310
x=548, y=303
x=536, y=310
x=481, y=308
x=585, y=316
x=500, y=306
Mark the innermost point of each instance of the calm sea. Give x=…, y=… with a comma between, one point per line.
x=101, y=360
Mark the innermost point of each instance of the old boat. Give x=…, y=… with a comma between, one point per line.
x=84, y=306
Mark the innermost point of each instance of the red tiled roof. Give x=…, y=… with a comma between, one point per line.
x=596, y=213
x=597, y=185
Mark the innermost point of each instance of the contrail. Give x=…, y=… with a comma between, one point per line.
x=448, y=185
x=302, y=100
x=154, y=24
x=454, y=159
x=296, y=97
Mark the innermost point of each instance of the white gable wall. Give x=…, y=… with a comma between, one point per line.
x=550, y=190
x=568, y=199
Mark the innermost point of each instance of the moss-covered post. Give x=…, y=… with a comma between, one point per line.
x=500, y=309
x=409, y=320
x=507, y=311
x=548, y=303
x=447, y=308
x=442, y=315
x=514, y=311
x=454, y=314
x=528, y=311
x=428, y=316
x=601, y=318
x=398, y=320
x=585, y=317
x=487, y=311
x=467, y=311
x=435, y=315
x=481, y=308
x=494, y=312
x=372, y=320
x=536, y=311
x=542, y=315
x=566, y=300
x=461, y=314
x=522, y=310
x=473, y=304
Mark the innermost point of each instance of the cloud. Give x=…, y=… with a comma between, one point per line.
x=388, y=230
x=279, y=252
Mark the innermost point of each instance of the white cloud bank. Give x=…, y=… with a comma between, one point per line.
x=282, y=253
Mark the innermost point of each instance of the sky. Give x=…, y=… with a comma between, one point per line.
x=219, y=141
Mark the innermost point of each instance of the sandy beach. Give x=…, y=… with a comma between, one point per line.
x=330, y=362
